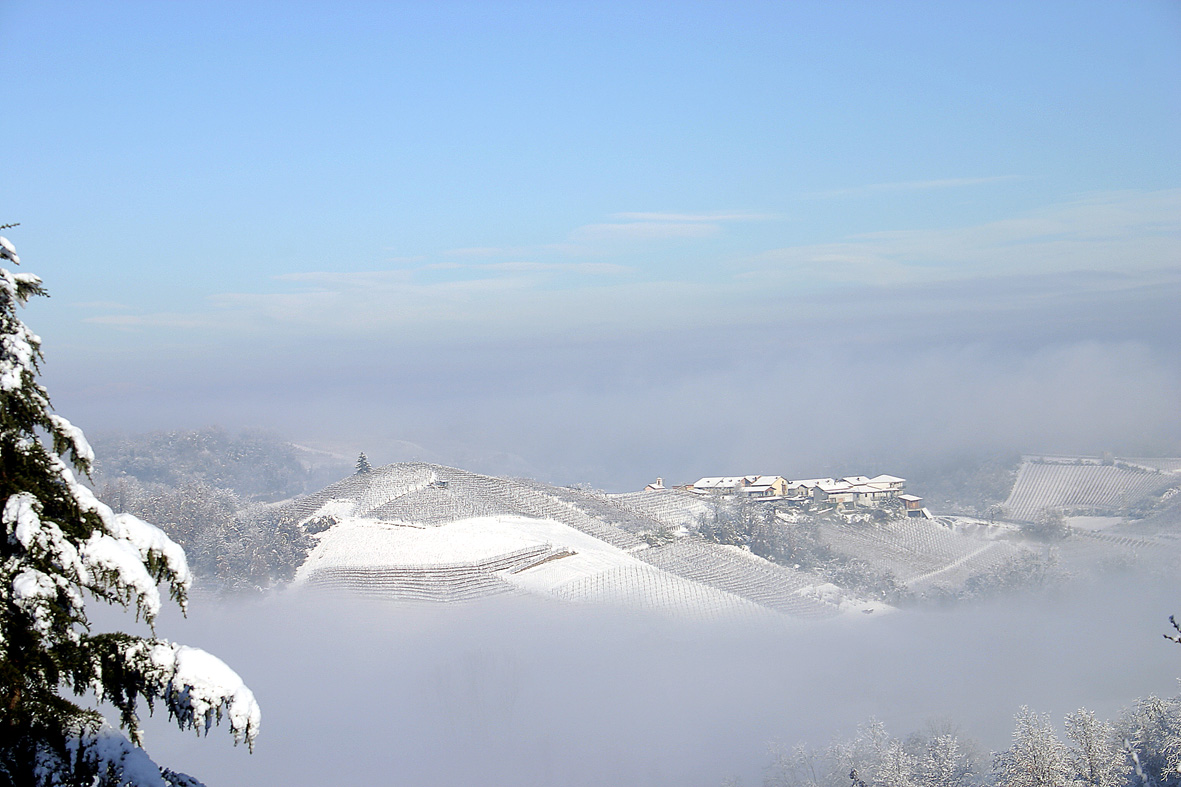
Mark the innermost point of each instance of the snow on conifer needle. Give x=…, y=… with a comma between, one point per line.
x=59, y=540
x=7, y=251
x=199, y=688
x=76, y=440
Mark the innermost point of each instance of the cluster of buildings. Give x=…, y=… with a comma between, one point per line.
x=849, y=491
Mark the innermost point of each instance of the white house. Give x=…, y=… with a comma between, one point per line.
x=722, y=485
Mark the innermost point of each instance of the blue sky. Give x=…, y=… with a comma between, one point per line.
x=564, y=234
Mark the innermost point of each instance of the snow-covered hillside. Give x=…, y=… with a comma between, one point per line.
x=1087, y=486
x=424, y=532
x=415, y=531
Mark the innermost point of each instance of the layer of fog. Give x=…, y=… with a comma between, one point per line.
x=855, y=381
x=521, y=693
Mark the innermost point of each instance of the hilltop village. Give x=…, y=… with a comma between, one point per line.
x=848, y=492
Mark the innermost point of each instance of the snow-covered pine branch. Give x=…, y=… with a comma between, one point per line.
x=60, y=545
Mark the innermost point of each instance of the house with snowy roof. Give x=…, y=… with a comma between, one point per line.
x=914, y=506
x=834, y=491
x=722, y=485
x=766, y=487
x=804, y=486
x=754, y=486
x=853, y=489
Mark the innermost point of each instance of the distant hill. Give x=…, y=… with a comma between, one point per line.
x=255, y=465
x=420, y=531
x=240, y=506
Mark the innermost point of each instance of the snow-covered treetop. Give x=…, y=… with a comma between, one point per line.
x=60, y=545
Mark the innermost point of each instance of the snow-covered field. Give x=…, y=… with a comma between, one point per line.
x=1093, y=523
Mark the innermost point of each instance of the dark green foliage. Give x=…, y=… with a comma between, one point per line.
x=363, y=465
x=60, y=546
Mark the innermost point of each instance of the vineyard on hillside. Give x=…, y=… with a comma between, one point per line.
x=1090, y=488
x=919, y=552
x=418, y=531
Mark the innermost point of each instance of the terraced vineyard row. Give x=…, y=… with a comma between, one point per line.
x=411, y=492
x=600, y=506
x=434, y=506
x=672, y=507
x=1099, y=488
x=524, y=499
x=742, y=574
x=371, y=490
x=447, y=582
x=1166, y=465
x=651, y=589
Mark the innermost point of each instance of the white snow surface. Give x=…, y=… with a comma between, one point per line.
x=370, y=542
x=107, y=749
x=120, y=558
x=17, y=351
x=337, y=508
x=148, y=539
x=82, y=448
x=594, y=572
x=200, y=688
x=8, y=251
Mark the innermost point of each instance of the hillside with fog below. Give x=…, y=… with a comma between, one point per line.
x=426, y=532
x=431, y=533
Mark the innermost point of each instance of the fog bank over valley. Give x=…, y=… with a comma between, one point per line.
x=520, y=693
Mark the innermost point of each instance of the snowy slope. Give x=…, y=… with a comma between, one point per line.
x=488, y=555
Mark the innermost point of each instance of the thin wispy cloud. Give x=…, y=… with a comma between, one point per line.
x=914, y=185
x=408, y=260
x=705, y=217
x=645, y=231
x=101, y=305
x=656, y=226
x=1116, y=232
x=352, y=278
x=587, y=268
x=477, y=251
x=1134, y=236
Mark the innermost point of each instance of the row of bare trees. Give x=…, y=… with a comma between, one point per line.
x=1142, y=748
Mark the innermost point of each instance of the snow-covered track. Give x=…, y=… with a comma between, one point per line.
x=917, y=550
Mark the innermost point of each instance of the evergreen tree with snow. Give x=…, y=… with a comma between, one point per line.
x=61, y=548
x=363, y=465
